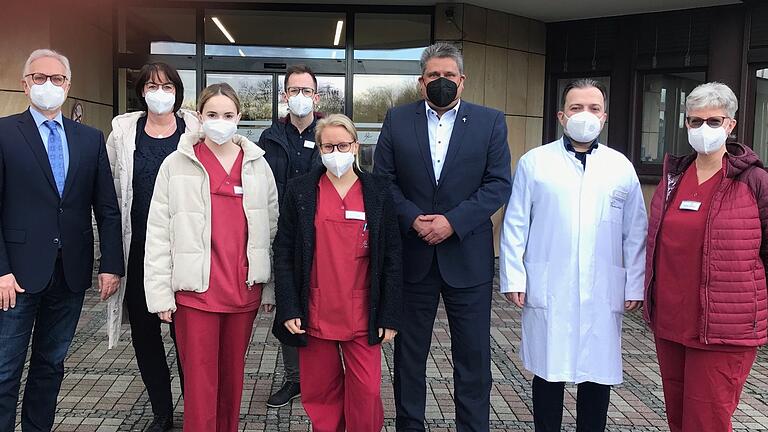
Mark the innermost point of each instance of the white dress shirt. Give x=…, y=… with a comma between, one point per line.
x=440, y=130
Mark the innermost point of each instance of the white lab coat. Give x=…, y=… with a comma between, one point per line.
x=574, y=241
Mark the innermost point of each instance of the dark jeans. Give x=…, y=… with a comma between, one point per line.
x=591, y=405
x=147, y=339
x=469, y=319
x=53, y=313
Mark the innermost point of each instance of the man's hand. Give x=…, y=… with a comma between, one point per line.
x=439, y=229
x=8, y=290
x=294, y=326
x=266, y=307
x=108, y=285
x=389, y=334
x=634, y=305
x=518, y=298
x=421, y=227
x=166, y=316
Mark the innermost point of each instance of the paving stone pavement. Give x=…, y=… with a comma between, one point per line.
x=102, y=389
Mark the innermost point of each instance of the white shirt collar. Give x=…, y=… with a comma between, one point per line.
x=430, y=110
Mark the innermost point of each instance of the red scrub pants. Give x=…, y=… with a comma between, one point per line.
x=701, y=387
x=212, y=347
x=341, y=385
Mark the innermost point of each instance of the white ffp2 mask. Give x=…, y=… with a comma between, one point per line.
x=706, y=139
x=583, y=127
x=219, y=131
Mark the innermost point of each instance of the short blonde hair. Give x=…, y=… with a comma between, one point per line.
x=43, y=53
x=339, y=120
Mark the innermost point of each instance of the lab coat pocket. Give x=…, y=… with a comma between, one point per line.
x=537, y=287
x=614, y=208
x=615, y=283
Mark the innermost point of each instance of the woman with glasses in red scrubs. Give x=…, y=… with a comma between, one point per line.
x=338, y=282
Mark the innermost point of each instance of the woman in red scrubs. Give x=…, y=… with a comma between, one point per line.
x=706, y=261
x=338, y=282
x=211, y=223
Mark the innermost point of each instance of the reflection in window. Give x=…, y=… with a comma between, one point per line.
x=663, y=117
x=331, y=90
x=130, y=102
x=372, y=96
x=605, y=81
x=157, y=31
x=255, y=94
x=376, y=40
x=275, y=34
x=760, y=140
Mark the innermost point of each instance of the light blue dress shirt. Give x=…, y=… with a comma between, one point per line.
x=40, y=119
x=440, y=130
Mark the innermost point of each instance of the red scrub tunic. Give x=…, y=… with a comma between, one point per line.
x=227, y=290
x=338, y=296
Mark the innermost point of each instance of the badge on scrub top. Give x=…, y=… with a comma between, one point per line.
x=309, y=144
x=690, y=205
x=354, y=215
x=238, y=190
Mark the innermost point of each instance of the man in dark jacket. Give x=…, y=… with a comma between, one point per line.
x=290, y=151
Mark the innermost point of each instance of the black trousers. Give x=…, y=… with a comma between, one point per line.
x=469, y=319
x=591, y=406
x=147, y=339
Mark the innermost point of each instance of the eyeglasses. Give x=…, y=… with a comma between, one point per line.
x=306, y=91
x=713, y=122
x=40, y=78
x=152, y=86
x=343, y=147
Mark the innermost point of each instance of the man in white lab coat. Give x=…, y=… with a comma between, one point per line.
x=573, y=257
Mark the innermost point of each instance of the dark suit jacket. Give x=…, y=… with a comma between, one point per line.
x=294, y=248
x=475, y=183
x=34, y=221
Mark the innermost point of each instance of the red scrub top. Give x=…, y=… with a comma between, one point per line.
x=227, y=289
x=339, y=286
x=679, y=263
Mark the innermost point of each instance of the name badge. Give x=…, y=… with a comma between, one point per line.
x=355, y=215
x=238, y=190
x=690, y=205
x=309, y=144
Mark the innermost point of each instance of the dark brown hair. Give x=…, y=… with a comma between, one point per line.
x=584, y=83
x=298, y=69
x=150, y=70
x=212, y=90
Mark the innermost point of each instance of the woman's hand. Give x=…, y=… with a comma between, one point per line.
x=166, y=316
x=389, y=334
x=294, y=326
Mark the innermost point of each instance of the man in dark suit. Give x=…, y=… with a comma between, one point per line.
x=451, y=168
x=53, y=173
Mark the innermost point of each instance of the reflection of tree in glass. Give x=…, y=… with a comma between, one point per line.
x=372, y=106
x=331, y=99
x=256, y=100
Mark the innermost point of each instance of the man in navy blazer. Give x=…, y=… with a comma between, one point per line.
x=451, y=169
x=53, y=173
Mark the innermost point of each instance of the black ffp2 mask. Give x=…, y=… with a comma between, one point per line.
x=442, y=92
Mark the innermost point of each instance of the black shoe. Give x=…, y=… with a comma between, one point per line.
x=288, y=392
x=161, y=423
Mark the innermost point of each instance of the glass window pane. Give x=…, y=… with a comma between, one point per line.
x=372, y=96
x=255, y=94
x=128, y=101
x=663, y=116
x=605, y=81
x=275, y=34
x=375, y=40
x=331, y=89
x=760, y=139
x=157, y=31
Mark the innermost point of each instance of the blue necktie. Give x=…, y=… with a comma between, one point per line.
x=56, y=155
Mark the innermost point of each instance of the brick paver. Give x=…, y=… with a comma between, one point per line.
x=102, y=389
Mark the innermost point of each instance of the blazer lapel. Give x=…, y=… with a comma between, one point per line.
x=73, y=136
x=457, y=137
x=31, y=134
x=421, y=126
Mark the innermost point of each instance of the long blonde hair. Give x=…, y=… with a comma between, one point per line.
x=342, y=121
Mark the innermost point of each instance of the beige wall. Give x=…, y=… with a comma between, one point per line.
x=81, y=30
x=504, y=65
